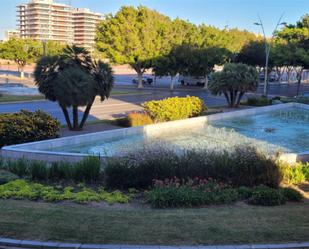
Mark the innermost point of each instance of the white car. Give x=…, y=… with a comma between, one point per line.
x=191, y=80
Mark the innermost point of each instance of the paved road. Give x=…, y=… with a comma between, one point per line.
x=115, y=106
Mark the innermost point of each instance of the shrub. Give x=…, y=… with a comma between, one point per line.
x=234, y=81
x=258, y=101
x=25, y=126
x=266, y=196
x=291, y=194
x=245, y=166
x=174, y=108
x=293, y=174
x=139, y=119
x=245, y=192
x=6, y=176
x=88, y=170
x=189, y=193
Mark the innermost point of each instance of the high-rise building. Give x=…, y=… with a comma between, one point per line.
x=84, y=25
x=47, y=20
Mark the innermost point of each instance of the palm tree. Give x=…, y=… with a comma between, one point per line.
x=73, y=79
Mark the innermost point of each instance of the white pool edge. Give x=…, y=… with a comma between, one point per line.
x=39, y=150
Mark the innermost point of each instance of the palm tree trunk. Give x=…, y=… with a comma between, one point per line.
x=227, y=98
x=75, y=117
x=86, y=113
x=67, y=117
x=239, y=98
x=299, y=81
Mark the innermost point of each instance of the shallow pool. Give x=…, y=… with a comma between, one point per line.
x=284, y=130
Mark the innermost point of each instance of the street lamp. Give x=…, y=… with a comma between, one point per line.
x=267, y=49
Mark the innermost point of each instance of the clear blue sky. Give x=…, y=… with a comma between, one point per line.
x=233, y=13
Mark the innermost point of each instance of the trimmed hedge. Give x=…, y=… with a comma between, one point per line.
x=245, y=166
x=25, y=126
x=174, y=108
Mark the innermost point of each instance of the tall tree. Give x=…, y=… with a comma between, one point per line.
x=296, y=40
x=134, y=36
x=22, y=51
x=73, y=79
x=203, y=61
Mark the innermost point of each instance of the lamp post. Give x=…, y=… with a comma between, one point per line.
x=267, y=49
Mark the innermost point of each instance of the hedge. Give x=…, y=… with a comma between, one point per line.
x=245, y=166
x=174, y=108
x=26, y=126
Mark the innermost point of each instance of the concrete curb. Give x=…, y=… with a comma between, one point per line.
x=54, y=245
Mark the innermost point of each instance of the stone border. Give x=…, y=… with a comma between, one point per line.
x=57, y=245
x=42, y=150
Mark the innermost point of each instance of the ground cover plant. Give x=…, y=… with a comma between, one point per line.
x=25, y=126
x=21, y=189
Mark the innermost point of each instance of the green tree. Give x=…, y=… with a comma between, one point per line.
x=295, y=40
x=134, y=36
x=233, y=82
x=253, y=53
x=22, y=51
x=73, y=79
x=203, y=61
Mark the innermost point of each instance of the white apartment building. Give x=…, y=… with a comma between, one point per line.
x=9, y=34
x=84, y=25
x=47, y=20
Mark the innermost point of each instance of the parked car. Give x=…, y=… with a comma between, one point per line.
x=145, y=80
x=191, y=80
x=271, y=78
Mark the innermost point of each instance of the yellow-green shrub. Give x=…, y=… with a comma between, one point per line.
x=139, y=119
x=174, y=108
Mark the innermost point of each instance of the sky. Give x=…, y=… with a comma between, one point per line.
x=220, y=13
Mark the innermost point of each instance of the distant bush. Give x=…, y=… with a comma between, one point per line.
x=258, y=101
x=291, y=194
x=297, y=99
x=25, y=126
x=136, y=119
x=87, y=170
x=245, y=166
x=174, y=108
x=189, y=193
x=266, y=196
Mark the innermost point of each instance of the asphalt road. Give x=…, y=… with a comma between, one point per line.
x=114, y=107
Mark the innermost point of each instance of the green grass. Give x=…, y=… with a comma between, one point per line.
x=119, y=92
x=17, y=98
x=236, y=224
x=21, y=98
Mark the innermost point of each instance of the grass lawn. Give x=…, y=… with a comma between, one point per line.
x=20, y=98
x=214, y=225
x=17, y=98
